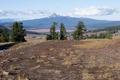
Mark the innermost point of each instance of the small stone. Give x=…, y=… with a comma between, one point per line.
x=5, y=73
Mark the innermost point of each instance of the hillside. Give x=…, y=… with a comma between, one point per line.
x=63, y=60
x=6, y=20
x=70, y=22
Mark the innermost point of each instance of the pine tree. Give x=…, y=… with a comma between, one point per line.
x=53, y=34
x=18, y=33
x=4, y=35
x=80, y=29
x=63, y=32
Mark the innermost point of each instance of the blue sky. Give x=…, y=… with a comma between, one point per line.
x=31, y=9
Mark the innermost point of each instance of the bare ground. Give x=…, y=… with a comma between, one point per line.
x=63, y=60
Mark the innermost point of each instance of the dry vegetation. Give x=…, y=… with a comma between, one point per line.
x=62, y=60
x=94, y=43
x=30, y=42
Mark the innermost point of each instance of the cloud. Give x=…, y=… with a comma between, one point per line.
x=94, y=11
x=76, y=12
x=9, y=13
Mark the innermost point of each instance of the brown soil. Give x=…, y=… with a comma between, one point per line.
x=62, y=60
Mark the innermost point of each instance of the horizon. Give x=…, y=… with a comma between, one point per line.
x=18, y=19
x=34, y=9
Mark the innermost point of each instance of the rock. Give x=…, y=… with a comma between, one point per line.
x=5, y=73
x=36, y=67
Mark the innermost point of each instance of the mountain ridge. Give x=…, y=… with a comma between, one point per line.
x=70, y=22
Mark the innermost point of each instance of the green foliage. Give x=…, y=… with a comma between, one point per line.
x=63, y=33
x=56, y=36
x=18, y=32
x=107, y=35
x=78, y=33
x=4, y=35
x=53, y=34
x=111, y=29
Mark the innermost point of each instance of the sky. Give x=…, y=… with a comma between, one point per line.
x=34, y=9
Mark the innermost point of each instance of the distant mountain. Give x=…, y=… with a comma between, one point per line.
x=7, y=20
x=2, y=27
x=70, y=22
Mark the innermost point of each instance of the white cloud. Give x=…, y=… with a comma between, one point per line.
x=24, y=13
x=77, y=12
x=93, y=11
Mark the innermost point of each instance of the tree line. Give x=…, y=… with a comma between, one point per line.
x=16, y=34
x=106, y=35
x=62, y=34
x=79, y=33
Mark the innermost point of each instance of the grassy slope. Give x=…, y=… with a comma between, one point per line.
x=64, y=60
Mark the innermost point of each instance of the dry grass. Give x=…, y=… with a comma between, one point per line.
x=29, y=43
x=96, y=43
x=60, y=60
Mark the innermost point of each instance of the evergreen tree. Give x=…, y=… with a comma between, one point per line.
x=18, y=33
x=63, y=32
x=53, y=34
x=4, y=35
x=80, y=29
